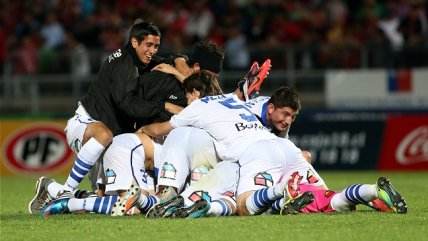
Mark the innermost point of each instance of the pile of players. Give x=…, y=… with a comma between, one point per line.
x=159, y=137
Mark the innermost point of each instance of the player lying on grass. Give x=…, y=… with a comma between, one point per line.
x=328, y=201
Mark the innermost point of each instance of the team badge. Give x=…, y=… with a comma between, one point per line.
x=311, y=177
x=199, y=173
x=198, y=195
x=168, y=171
x=263, y=179
x=110, y=176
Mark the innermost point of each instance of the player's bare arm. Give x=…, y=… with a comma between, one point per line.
x=172, y=108
x=157, y=129
x=169, y=69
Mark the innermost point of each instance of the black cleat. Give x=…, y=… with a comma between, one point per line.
x=390, y=196
x=164, y=209
x=294, y=205
x=197, y=210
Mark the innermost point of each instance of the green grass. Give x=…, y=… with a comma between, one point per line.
x=363, y=224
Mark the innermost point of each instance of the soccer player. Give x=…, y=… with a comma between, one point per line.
x=278, y=111
x=328, y=201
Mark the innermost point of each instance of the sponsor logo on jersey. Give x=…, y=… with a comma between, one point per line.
x=198, y=195
x=246, y=126
x=110, y=176
x=263, y=179
x=38, y=148
x=168, y=171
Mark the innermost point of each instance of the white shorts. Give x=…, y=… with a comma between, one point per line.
x=296, y=162
x=221, y=181
x=75, y=128
x=124, y=164
x=186, y=151
x=261, y=165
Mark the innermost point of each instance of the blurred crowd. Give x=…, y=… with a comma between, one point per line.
x=325, y=34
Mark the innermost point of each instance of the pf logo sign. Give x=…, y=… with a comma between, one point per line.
x=38, y=148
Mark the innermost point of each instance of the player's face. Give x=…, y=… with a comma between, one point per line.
x=147, y=48
x=280, y=117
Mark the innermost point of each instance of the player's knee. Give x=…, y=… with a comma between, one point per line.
x=103, y=135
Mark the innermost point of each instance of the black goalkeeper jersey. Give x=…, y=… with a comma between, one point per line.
x=126, y=92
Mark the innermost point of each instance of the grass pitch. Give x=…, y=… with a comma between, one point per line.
x=363, y=224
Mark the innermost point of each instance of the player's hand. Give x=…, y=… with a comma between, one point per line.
x=169, y=69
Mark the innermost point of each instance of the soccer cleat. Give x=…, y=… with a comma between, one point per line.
x=379, y=205
x=388, y=194
x=167, y=193
x=292, y=190
x=130, y=199
x=42, y=195
x=246, y=81
x=59, y=206
x=250, y=84
x=294, y=205
x=255, y=83
x=197, y=210
x=64, y=194
x=165, y=208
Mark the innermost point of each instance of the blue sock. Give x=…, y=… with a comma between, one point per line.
x=147, y=201
x=93, y=204
x=275, y=208
x=261, y=199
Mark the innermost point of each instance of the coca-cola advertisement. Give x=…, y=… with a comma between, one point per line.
x=405, y=145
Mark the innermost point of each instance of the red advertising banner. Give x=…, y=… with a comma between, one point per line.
x=34, y=147
x=405, y=143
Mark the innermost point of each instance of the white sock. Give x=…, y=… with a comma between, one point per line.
x=353, y=195
x=54, y=188
x=219, y=208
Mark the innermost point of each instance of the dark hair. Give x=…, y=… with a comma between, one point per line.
x=203, y=81
x=142, y=29
x=208, y=55
x=285, y=97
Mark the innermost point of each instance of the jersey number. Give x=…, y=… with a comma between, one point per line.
x=232, y=104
